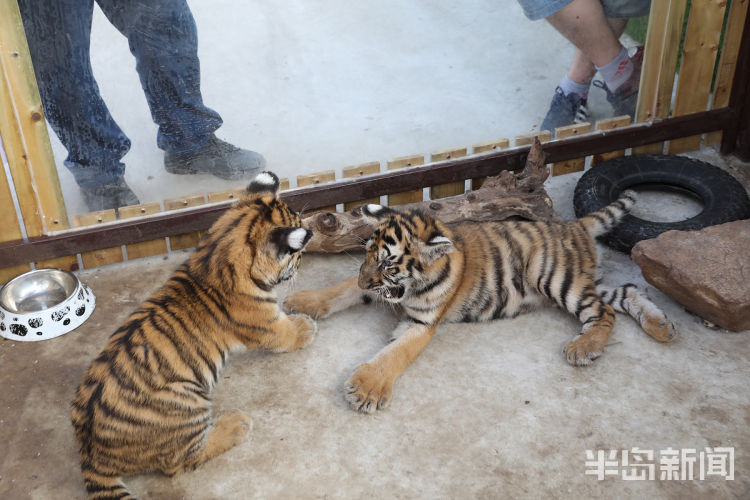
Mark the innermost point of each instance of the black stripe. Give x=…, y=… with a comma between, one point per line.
x=441, y=277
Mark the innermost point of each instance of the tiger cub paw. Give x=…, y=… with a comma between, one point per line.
x=583, y=350
x=305, y=327
x=659, y=328
x=367, y=390
x=308, y=302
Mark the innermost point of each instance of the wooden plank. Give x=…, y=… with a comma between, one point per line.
x=453, y=188
x=228, y=195
x=659, y=64
x=315, y=179
x=284, y=184
x=698, y=60
x=24, y=131
x=144, y=248
x=728, y=61
x=8, y=273
x=576, y=164
x=407, y=196
x=68, y=262
x=610, y=124
x=370, y=168
x=10, y=229
x=103, y=256
x=188, y=240
x=484, y=147
x=527, y=139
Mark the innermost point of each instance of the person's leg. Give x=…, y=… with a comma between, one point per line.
x=582, y=70
x=58, y=36
x=163, y=38
x=575, y=21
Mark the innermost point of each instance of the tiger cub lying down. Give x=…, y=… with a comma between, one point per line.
x=145, y=404
x=478, y=272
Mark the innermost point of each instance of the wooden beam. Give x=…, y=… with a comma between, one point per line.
x=391, y=182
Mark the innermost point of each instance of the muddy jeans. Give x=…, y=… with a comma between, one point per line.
x=163, y=38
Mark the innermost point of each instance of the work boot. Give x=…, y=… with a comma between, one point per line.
x=218, y=158
x=112, y=194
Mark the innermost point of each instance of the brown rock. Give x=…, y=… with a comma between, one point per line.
x=706, y=271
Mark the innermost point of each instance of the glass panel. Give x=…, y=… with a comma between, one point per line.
x=311, y=86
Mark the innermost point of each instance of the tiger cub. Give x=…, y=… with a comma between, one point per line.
x=478, y=272
x=144, y=404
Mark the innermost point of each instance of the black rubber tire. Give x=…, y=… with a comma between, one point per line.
x=723, y=197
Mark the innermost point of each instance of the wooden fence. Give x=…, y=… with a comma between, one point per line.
x=42, y=210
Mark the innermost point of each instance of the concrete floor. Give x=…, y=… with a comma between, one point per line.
x=487, y=411
x=337, y=83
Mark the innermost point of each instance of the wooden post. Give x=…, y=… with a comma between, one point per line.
x=659, y=64
x=188, y=240
x=105, y=255
x=577, y=164
x=412, y=196
x=728, y=61
x=317, y=178
x=144, y=248
x=358, y=171
x=10, y=229
x=696, y=70
x=24, y=131
x=453, y=188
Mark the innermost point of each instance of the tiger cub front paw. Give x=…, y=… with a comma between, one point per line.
x=305, y=327
x=368, y=390
x=308, y=302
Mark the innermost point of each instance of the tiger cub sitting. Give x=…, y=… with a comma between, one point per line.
x=144, y=404
x=478, y=272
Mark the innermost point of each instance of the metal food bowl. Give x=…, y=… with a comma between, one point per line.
x=43, y=304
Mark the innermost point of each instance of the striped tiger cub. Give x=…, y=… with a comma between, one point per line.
x=478, y=272
x=144, y=404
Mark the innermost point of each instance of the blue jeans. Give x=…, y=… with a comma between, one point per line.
x=163, y=38
x=618, y=9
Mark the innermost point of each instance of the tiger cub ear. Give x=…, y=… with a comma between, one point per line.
x=264, y=182
x=290, y=239
x=435, y=247
x=375, y=213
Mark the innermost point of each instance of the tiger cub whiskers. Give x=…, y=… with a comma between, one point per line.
x=478, y=272
x=144, y=403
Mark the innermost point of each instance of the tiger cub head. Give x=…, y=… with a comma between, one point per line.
x=258, y=240
x=405, y=248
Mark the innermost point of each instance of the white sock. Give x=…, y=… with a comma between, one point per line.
x=617, y=71
x=569, y=86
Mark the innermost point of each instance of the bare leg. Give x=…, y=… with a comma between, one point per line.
x=582, y=70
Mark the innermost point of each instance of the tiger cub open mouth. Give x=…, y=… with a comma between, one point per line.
x=392, y=292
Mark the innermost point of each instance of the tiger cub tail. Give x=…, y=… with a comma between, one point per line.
x=604, y=220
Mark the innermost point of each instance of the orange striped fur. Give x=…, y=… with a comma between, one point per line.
x=478, y=272
x=144, y=404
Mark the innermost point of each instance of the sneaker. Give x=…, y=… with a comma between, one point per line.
x=624, y=99
x=218, y=158
x=565, y=110
x=113, y=194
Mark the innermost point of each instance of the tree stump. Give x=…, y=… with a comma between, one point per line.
x=505, y=196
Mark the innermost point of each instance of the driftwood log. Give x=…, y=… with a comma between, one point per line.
x=505, y=196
